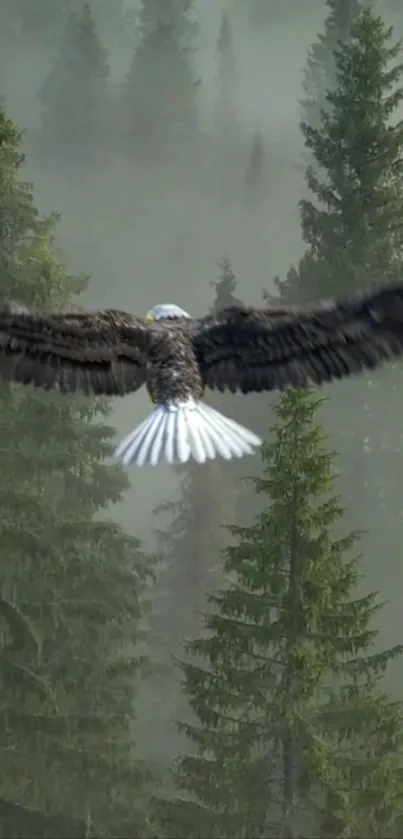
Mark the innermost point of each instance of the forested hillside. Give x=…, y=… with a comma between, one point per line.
x=204, y=651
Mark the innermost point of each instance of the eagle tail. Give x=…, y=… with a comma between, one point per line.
x=181, y=431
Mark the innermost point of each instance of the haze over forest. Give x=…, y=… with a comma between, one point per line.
x=164, y=232
x=167, y=134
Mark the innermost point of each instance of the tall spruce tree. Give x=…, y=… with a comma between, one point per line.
x=160, y=96
x=293, y=734
x=320, y=76
x=355, y=241
x=349, y=224
x=75, y=95
x=66, y=566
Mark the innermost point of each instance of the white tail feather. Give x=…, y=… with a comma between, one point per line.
x=183, y=431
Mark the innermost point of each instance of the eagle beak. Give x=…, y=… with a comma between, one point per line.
x=149, y=316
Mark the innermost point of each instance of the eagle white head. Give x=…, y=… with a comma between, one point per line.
x=166, y=310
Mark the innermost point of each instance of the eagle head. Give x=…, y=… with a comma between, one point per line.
x=166, y=310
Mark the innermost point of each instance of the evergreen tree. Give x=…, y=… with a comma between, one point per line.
x=355, y=242
x=293, y=734
x=349, y=225
x=160, y=99
x=66, y=566
x=225, y=287
x=75, y=94
x=320, y=76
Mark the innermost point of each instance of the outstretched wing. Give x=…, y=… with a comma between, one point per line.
x=270, y=349
x=98, y=353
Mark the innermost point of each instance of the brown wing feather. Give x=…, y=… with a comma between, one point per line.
x=96, y=352
x=270, y=349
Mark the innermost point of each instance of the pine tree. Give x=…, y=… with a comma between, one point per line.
x=160, y=100
x=75, y=95
x=293, y=734
x=355, y=242
x=360, y=152
x=66, y=566
x=225, y=287
x=320, y=76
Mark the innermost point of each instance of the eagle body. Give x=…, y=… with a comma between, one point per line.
x=172, y=369
x=178, y=357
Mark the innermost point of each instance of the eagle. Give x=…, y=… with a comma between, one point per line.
x=177, y=357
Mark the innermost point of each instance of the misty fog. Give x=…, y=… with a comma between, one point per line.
x=155, y=230
x=156, y=234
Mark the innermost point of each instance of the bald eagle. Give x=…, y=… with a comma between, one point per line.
x=177, y=357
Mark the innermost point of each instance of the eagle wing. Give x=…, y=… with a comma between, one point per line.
x=270, y=349
x=100, y=352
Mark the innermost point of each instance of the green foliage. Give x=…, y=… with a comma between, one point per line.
x=351, y=224
x=18, y=638
x=320, y=76
x=292, y=734
x=351, y=227
x=160, y=100
x=67, y=569
x=75, y=94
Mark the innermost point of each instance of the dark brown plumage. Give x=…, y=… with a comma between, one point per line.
x=177, y=357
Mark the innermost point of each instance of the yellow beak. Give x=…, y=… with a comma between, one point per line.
x=149, y=316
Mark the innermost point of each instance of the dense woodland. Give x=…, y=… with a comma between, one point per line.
x=234, y=670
